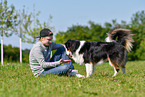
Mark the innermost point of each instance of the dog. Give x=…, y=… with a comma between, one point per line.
x=91, y=53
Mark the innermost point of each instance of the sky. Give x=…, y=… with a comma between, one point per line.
x=66, y=13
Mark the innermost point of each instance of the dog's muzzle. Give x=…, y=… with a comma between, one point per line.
x=68, y=52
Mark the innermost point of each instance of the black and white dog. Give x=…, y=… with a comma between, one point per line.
x=92, y=53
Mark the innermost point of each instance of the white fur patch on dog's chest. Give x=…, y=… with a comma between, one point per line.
x=78, y=58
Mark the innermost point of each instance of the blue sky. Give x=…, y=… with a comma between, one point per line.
x=66, y=13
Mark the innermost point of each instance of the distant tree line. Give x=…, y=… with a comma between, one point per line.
x=12, y=54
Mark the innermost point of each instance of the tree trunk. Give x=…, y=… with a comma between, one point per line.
x=1, y=49
x=20, y=50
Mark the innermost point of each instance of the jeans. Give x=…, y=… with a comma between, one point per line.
x=65, y=69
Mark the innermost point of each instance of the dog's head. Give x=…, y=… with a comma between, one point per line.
x=71, y=46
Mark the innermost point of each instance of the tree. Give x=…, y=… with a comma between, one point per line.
x=98, y=33
x=29, y=27
x=77, y=32
x=138, y=29
x=35, y=27
x=24, y=21
x=93, y=32
x=8, y=19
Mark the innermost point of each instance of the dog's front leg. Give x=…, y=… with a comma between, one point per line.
x=89, y=69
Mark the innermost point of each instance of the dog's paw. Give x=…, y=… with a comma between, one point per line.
x=114, y=75
x=80, y=76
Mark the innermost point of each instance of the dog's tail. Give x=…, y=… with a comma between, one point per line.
x=123, y=36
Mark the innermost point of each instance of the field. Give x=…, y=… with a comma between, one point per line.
x=17, y=80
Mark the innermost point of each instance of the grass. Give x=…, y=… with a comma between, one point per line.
x=17, y=80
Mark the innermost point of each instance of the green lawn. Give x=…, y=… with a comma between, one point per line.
x=17, y=80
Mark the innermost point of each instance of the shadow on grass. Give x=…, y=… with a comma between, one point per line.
x=90, y=93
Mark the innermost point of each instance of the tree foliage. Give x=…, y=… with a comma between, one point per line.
x=24, y=21
x=8, y=19
x=93, y=32
x=35, y=27
x=138, y=29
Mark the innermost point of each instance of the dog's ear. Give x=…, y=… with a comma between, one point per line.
x=74, y=45
x=68, y=43
x=85, y=47
x=69, y=40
